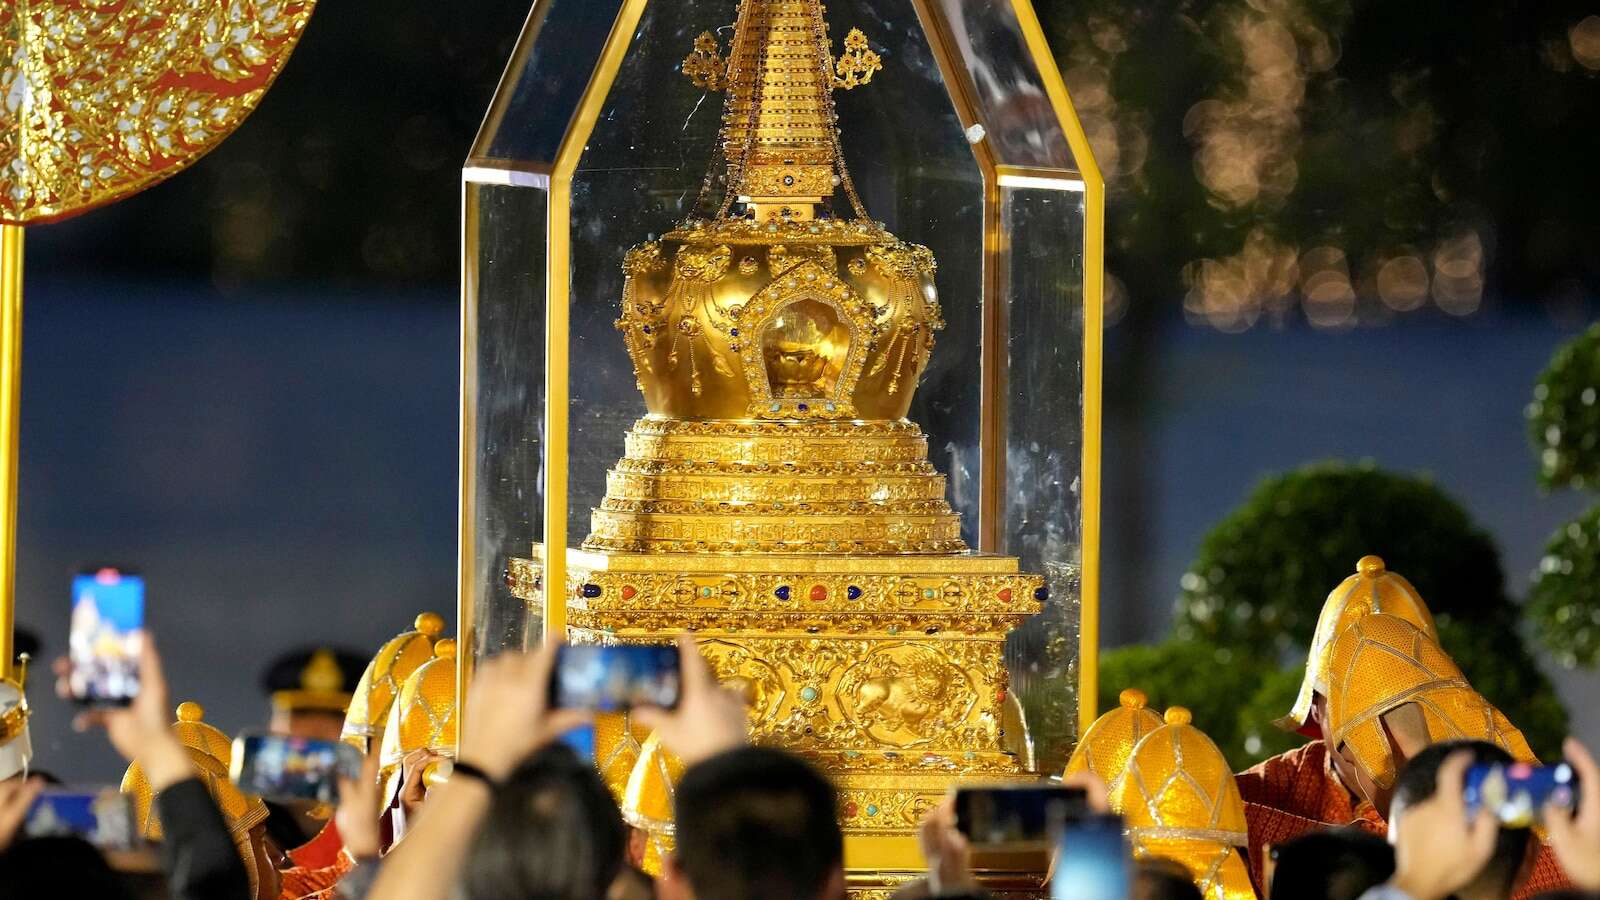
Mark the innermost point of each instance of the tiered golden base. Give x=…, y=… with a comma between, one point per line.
x=885, y=671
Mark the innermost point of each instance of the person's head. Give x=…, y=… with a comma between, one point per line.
x=1418, y=781
x=552, y=832
x=1163, y=879
x=58, y=867
x=755, y=823
x=310, y=688
x=1337, y=864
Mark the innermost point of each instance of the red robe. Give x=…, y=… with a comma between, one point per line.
x=318, y=866
x=1297, y=791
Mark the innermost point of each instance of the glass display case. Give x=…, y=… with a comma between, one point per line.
x=852, y=360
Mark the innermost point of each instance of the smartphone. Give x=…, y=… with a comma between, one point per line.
x=284, y=768
x=107, y=636
x=1094, y=861
x=104, y=817
x=1518, y=793
x=1017, y=817
x=617, y=677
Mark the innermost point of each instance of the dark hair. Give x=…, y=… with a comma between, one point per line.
x=1159, y=878
x=757, y=823
x=1419, y=779
x=64, y=866
x=1337, y=864
x=552, y=832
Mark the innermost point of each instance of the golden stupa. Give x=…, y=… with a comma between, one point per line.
x=775, y=499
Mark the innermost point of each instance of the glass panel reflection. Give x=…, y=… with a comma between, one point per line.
x=1019, y=123
x=506, y=322
x=1041, y=521
x=545, y=80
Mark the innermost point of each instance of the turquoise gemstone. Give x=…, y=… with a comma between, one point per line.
x=808, y=693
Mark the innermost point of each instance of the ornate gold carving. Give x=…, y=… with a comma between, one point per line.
x=906, y=695
x=857, y=64
x=109, y=98
x=704, y=66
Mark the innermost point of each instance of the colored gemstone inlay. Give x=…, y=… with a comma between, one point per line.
x=782, y=593
x=591, y=590
x=1005, y=595
x=853, y=592
x=1042, y=594
x=629, y=592
x=808, y=693
x=818, y=593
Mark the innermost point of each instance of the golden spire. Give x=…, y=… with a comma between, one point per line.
x=779, y=129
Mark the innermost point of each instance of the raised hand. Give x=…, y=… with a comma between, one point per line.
x=508, y=711
x=1574, y=834
x=709, y=718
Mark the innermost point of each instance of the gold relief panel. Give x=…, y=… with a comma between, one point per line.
x=906, y=695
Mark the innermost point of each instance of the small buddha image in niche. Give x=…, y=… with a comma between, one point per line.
x=804, y=349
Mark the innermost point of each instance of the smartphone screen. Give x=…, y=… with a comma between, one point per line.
x=102, y=817
x=1518, y=793
x=614, y=678
x=107, y=635
x=280, y=767
x=1094, y=861
x=1017, y=817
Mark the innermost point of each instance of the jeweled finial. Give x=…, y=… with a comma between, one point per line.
x=780, y=133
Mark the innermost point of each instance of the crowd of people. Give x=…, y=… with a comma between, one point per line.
x=519, y=813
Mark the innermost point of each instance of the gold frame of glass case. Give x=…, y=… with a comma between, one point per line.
x=547, y=175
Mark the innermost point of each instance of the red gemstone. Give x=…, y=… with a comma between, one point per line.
x=819, y=593
x=1000, y=696
x=1005, y=595
x=851, y=808
x=629, y=591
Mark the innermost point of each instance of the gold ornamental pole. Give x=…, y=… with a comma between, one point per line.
x=10, y=429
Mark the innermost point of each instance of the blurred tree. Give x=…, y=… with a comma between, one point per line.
x=1564, y=417
x=1349, y=159
x=1564, y=602
x=1250, y=602
x=1564, y=423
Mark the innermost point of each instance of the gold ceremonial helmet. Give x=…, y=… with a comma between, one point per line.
x=319, y=685
x=1382, y=662
x=1106, y=746
x=423, y=717
x=199, y=735
x=240, y=812
x=380, y=683
x=647, y=803
x=1180, y=802
x=1375, y=589
x=618, y=741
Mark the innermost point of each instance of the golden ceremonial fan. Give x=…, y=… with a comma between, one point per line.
x=100, y=99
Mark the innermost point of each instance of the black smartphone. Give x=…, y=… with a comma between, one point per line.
x=1017, y=817
x=1093, y=861
x=280, y=767
x=1518, y=793
x=104, y=817
x=106, y=640
x=616, y=677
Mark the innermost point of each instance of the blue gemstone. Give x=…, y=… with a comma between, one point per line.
x=802, y=407
x=733, y=331
x=591, y=590
x=853, y=592
x=1041, y=594
x=782, y=593
x=647, y=329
